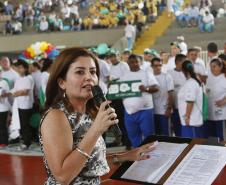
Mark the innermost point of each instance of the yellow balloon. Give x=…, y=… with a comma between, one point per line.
x=44, y=46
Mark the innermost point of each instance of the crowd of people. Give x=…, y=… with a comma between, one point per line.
x=22, y=85
x=171, y=101
x=59, y=15
x=201, y=15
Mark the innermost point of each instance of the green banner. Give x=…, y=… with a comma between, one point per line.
x=123, y=89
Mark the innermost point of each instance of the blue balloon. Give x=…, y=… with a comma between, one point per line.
x=53, y=54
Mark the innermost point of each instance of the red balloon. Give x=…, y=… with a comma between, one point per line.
x=27, y=54
x=49, y=49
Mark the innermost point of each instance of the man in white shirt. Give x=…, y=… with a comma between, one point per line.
x=129, y=34
x=207, y=22
x=178, y=80
x=183, y=46
x=193, y=15
x=174, y=49
x=198, y=68
x=139, y=112
x=8, y=73
x=43, y=25
x=17, y=27
x=147, y=57
x=163, y=99
x=212, y=52
x=117, y=70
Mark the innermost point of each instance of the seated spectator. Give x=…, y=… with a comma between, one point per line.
x=29, y=16
x=193, y=15
x=8, y=8
x=8, y=27
x=113, y=19
x=17, y=27
x=181, y=15
x=75, y=22
x=88, y=23
x=207, y=23
x=58, y=24
x=51, y=20
x=43, y=25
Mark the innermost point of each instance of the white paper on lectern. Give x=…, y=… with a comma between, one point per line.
x=200, y=166
x=151, y=170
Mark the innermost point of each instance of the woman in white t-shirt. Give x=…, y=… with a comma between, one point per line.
x=24, y=97
x=4, y=109
x=216, y=93
x=190, y=103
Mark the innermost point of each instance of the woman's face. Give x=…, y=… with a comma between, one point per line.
x=215, y=69
x=80, y=78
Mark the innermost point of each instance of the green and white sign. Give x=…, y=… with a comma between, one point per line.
x=123, y=89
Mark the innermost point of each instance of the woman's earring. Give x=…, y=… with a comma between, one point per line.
x=64, y=95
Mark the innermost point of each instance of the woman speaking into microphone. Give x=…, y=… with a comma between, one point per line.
x=72, y=124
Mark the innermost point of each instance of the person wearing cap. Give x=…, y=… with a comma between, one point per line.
x=174, y=50
x=146, y=63
x=117, y=70
x=4, y=110
x=125, y=55
x=183, y=46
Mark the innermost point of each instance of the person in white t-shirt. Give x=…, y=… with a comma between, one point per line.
x=174, y=50
x=183, y=46
x=190, y=103
x=4, y=110
x=125, y=55
x=8, y=73
x=178, y=80
x=46, y=67
x=139, y=111
x=117, y=70
x=23, y=94
x=163, y=99
x=207, y=23
x=199, y=68
x=216, y=93
x=104, y=74
x=146, y=62
x=212, y=52
x=34, y=70
x=130, y=33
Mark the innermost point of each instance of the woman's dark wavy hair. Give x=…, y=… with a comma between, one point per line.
x=59, y=69
x=187, y=68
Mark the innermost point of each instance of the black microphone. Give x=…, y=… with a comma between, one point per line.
x=99, y=97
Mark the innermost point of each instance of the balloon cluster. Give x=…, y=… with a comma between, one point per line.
x=39, y=50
